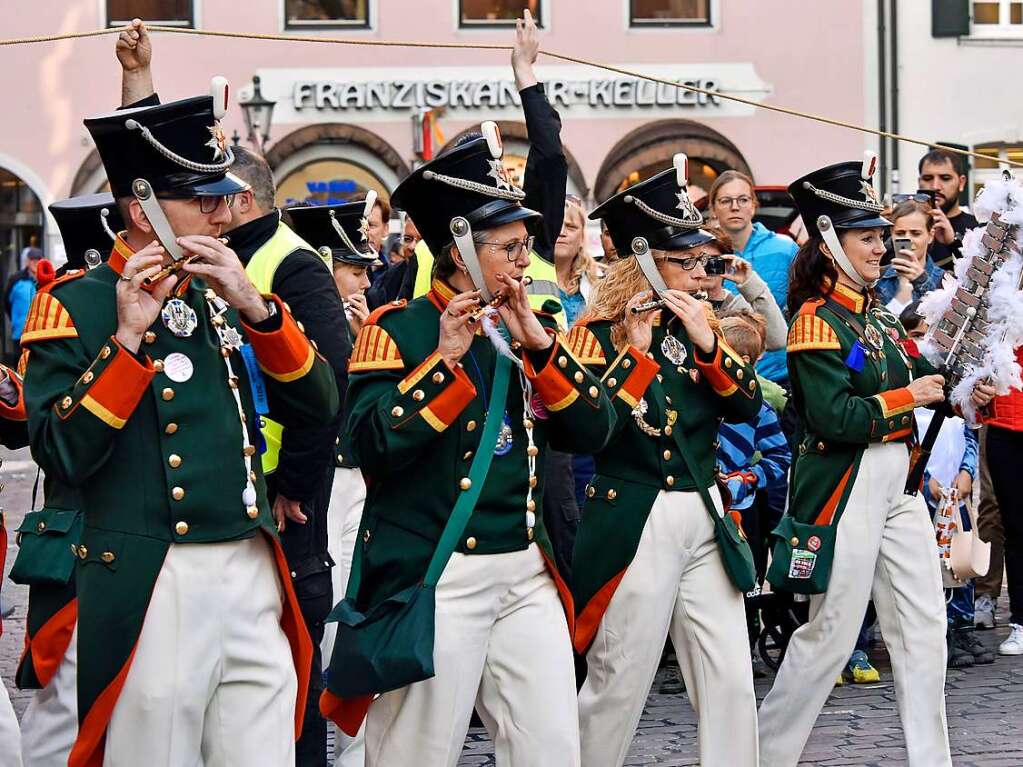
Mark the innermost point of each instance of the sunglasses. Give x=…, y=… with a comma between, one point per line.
x=916, y=197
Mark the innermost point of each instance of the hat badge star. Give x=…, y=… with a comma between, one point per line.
x=685, y=204
x=869, y=192
x=500, y=175
x=218, y=141
x=364, y=228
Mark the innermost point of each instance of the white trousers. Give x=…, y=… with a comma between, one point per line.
x=213, y=682
x=676, y=584
x=885, y=548
x=501, y=643
x=344, y=515
x=49, y=725
x=10, y=735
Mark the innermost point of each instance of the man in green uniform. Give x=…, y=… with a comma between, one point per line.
x=138, y=394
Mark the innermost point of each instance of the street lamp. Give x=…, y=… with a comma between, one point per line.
x=257, y=111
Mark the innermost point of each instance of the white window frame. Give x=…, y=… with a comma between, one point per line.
x=196, y=15
x=1003, y=29
x=542, y=20
x=315, y=26
x=713, y=10
x=983, y=176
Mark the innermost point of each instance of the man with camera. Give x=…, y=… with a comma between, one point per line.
x=941, y=171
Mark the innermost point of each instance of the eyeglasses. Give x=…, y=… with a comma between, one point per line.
x=512, y=249
x=690, y=263
x=208, y=205
x=743, y=201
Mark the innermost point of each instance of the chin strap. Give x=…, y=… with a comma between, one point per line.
x=827, y=230
x=462, y=234
x=647, y=265
x=143, y=192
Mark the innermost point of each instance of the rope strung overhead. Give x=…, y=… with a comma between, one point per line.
x=499, y=47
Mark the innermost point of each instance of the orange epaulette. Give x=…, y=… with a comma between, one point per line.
x=374, y=348
x=809, y=332
x=47, y=318
x=584, y=345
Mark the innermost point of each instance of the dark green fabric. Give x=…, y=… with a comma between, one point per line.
x=812, y=559
x=46, y=539
x=390, y=645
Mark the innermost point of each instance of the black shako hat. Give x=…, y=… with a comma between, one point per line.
x=343, y=230
x=88, y=225
x=658, y=210
x=843, y=192
x=179, y=148
x=467, y=181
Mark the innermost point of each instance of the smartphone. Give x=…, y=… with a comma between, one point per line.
x=901, y=243
x=716, y=265
x=931, y=195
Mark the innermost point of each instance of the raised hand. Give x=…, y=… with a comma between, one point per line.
x=525, y=51
x=639, y=328
x=221, y=268
x=137, y=309
x=518, y=315
x=134, y=48
x=694, y=318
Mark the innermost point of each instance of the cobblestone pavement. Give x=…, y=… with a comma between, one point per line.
x=859, y=726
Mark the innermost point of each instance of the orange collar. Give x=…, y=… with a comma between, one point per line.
x=851, y=299
x=440, y=294
x=123, y=251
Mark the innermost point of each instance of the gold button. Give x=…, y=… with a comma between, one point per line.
x=728, y=362
x=470, y=542
x=252, y=476
x=66, y=403
x=418, y=395
x=562, y=361
x=158, y=366
x=88, y=376
x=578, y=376
x=287, y=308
x=233, y=382
x=590, y=491
x=438, y=377
x=626, y=363
x=752, y=385
x=82, y=552
x=667, y=431
x=40, y=527
x=532, y=480
x=891, y=424
x=820, y=446
x=530, y=505
x=300, y=326
x=669, y=480
x=467, y=456
x=612, y=382
x=397, y=411
x=739, y=374
x=104, y=352
x=170, y=428
x=107, y=556
x=248, y=451
x=471, y=426
x=174, y=461
x=660, y=378
x=905, y=420
x=794, y=541
x=181, y=528
x=594, y=391
x=527, y=423
x=529, y=533
x=532, y=451
x=667, y=455
x=366, y=536
x=252, y=511
x=612, y=494
x=340, y=458
x=167, y=394
x=465, y=483
x=178, y=493
x=149, y=337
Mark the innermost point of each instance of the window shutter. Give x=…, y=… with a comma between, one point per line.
x=950, y=18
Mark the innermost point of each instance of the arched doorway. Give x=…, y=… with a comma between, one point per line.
x=649, y=149
x=516, y=149
x=332, y=162
x=22, y=230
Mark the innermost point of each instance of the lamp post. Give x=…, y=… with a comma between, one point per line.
x=257, y=111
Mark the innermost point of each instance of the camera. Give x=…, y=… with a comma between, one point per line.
x=716, y=265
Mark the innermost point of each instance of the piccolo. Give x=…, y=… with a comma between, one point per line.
x=174, y=267
x=659, y=303
x=477, y=314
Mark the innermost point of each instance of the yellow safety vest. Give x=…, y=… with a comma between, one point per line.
x=544, y=287
x=261, y=270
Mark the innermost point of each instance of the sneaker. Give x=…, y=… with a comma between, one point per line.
x=981, y=655
x=984, y=612
x=859, y=670
x=1014, y=644
x=958, y=656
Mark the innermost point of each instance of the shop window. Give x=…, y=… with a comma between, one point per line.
x=1003, y=18
x=990, y=168
x=164, y=13
x=669, y=13
x=327, y=182
x=496, y=13
x=302, y=14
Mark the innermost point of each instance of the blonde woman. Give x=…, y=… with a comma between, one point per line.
x=577, y=272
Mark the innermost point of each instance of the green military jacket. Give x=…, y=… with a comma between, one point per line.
x=661, y=403
x=850, y=362
x=415, y=427
x=153, y=442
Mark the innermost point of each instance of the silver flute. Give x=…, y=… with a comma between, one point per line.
x=659, y=303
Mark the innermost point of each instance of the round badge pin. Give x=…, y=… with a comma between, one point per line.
x=177, y=367
x=813, y=543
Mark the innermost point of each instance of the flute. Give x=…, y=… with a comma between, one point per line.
x=477, y=314
x=174, y=267
x=659, y=303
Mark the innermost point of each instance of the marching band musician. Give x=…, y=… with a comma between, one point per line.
x=427, y=415
x=856, y=379
x=656, y=546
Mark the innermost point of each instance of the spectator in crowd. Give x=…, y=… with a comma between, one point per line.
x=753, y=295
x=733, y=202
x=989, y=527
x=577, y=271
x=379, y=219
x=942, y=172
x=953, y=464
x=30, y=258
x=607, y=245
x=912, y=273
x=21, y=293
x=399, y=278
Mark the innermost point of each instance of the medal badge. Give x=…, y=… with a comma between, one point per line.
x=179, y=318
x=673, y=350
x=504, y=437
x=873, y=337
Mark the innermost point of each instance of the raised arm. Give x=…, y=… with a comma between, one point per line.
x=134, y=50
